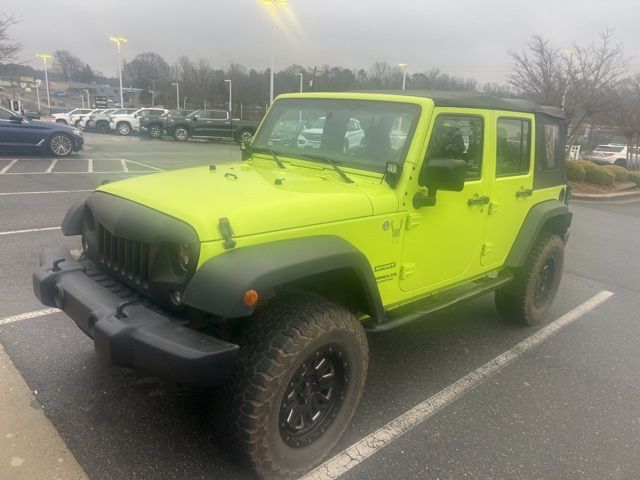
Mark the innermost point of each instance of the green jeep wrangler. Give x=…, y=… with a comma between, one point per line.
x=263, y=275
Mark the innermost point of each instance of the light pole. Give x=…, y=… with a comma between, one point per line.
x=301, y=75
x=273, y=4
x=37, y=84
x=88, y=98
x=44, y=58
x=177, y=94
x=403, y=66
x=118, y=41
x=230, y=98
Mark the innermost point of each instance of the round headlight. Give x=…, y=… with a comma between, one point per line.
x=184, y=255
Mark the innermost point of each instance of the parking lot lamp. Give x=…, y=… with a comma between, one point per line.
x=230, y=97
x=301, y=75
x=88, y=98
x=44, y=58
x=118, y=41
x=177, y=94
x=403, y=66
x=272, y=5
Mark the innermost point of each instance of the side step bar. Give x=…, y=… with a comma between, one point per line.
x=403, y=315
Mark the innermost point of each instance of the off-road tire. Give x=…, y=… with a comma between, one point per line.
x=520, y=301
x=281, y=338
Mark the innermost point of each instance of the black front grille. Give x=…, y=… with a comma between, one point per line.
x=125, y=257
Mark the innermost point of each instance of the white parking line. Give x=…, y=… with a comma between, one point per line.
x=363, y=449
x=76, y=173
x=145, y=165
x=52, y=166
x=43, y=192
x=123, y=162
x=6, y=168
x=90, y=165
x=29, y=230
x=28, y=315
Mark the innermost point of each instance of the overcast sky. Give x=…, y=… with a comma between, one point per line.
x=462, y=37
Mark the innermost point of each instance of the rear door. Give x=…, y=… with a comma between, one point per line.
x=512, y=186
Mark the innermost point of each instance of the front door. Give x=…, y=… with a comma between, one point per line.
x=444, y=242
x=512, y=187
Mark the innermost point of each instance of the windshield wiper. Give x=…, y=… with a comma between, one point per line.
x=333, y=164
x=273, y=155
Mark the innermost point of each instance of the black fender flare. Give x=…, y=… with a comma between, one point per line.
x=218, y=286
x=552, y=215
x=72, y=223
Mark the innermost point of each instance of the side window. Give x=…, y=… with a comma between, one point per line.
x=513, y=148
x=553, y=149
x=218, y=115
x=205, y=114
x=144, y=113
x=458, y=138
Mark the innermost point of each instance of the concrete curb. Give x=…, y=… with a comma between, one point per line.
x=605, y=196
x=30, y=446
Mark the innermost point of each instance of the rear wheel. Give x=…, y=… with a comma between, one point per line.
x=528, y=298
x=181, y=134
x=123, y=128
x=298, y=381
x=102, y=127
x=621, y=162
x=60, y=145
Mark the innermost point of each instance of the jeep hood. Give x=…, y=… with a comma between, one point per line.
x=255, y=199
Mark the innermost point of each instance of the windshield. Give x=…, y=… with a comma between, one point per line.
x=607, y=148
x=359, y=133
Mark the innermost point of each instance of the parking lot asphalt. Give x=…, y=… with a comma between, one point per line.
x=566, y=409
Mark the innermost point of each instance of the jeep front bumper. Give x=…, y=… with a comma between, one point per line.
x=125, y=331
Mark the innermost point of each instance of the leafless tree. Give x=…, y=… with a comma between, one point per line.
x=8, y=48
x=380, y=74
x=67, y=64
x=625, y=112
x=540, y=72
x=593, y=75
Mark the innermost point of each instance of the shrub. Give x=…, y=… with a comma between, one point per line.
x=621, y=173
x=635, y=177
x=600, y=176
x=575, y=171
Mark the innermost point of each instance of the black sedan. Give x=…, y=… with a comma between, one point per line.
x=18, y=134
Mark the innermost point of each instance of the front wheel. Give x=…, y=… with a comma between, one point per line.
x=60, y=145
x=528, y=298
x=102, y=127
x=297, y=384
x=123, y=128
x=155, y=131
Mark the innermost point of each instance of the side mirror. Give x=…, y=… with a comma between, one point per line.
x=196, y=117
x=246, y=150
x=16, y=119
x=440, y=174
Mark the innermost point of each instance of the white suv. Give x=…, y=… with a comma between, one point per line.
x=125, y=124
x=71, y=117
x=609, y=155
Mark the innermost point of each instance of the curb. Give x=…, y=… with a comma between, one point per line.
x=604, y=196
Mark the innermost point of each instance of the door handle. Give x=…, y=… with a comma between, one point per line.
x=478, y=201
x=524, y=193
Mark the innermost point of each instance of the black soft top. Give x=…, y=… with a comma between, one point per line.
x=476, y=100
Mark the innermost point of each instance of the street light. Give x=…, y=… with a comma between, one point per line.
x=301, y=75
x=88, y=98
x=230, y=98
x=118, y=41
x=44, y=58
x=273, y=4
x=177, y=94
x=403, y=66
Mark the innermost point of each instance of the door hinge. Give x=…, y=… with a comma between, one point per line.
x=486, y=248
x=407, y=269
x=413, y=220
x=494, y=207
